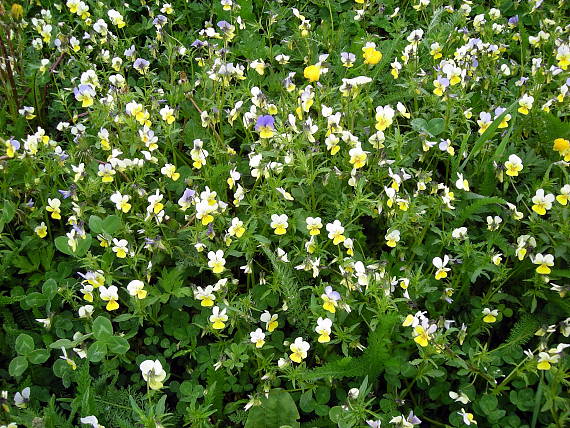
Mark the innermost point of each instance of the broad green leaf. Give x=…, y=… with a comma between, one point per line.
x=102, y=328
x=275, y=411
x=39, y=356
x=96, y=352
x=18, y=366
x=24, y=344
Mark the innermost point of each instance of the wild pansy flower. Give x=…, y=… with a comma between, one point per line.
x=28, y=112
x=186, y=199
x=167, y=8
x=490, y=315
x=111, y=296
x=269, y=320
x=357, y=157
x=299, y=350
x=170, y=171
x=198, y=154
x=205, y=295
x=257, y=337
x=544, y=261
x=336, y=231
x=564, y=195
x=562, y=146
x=106, y=172
x=167, y=114
x=153, y=373
x=141, y=65
x=216, y=261
x=314, y=225
x=136, y=289
x=265, y=126
x=279, y=223
x=370, y=54
x=392, y=238
x=493, y=223
x=423, y=334
x=484, y=121
x=41, y=230
x=505, y=121
x=324, y=329
x=68, y=360
x=218, y=318
x=312, y=73
x=513, y=166
x=412, y=419
x=525, y=104
x=542, y=202
x=347, y=59
x=563, y=56
x=87, y=291
x=259, y=66
x=330, y=299
x=116, y=18
x=384, y=117
x=236, y=229
x=440, y=265
x=120, y=247
x=440, y=84
x=85, y=94
x=121, y=201
x=462, y=183
x=54, y=208
x=468, y=418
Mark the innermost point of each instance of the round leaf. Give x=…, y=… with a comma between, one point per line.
x=18, y=366
x=24, y=344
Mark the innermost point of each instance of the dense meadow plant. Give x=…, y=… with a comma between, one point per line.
x=281, y=214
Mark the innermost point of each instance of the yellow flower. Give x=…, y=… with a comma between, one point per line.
x=422, y=336
x=218, y=318
x=490, y=315
x=279, y=223
x=299, y=350
x=17, y=11
x=370, y=54
x=312, y=73
x=562, y=146
x=41, y=230
x=544, y=262
x=564, y=195
x=513, y=165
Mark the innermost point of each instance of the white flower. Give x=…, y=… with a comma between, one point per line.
x=136, y=289
x=21, y=399
x=153, y=373
x=257, y=337
x=459, y=233
x=85, y=311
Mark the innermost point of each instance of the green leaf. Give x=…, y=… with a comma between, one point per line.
x=33, y=300
x=96, y=224
x=275, y=411
x=18, y=366
x=49, y=288
x=96, y=352
x=434, y=127
x=111, y=224
x=117, y=345
x=102, y=328
x=488, y=403
x=24, y=344
x=39, y=356
x=8, y=211
x=82, y=245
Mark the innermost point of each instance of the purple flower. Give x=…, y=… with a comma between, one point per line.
x=30, y=203
x=265, y=121
x=15, y=143
x=65, y=193
x=187, y=196
x=141, y=65
x=130, y=51
x=198, y=44
x=413, y=419
x=84, y=90
x=160, y=20
x=499, y=111
x=331, y=294
x=224, y=25
x=443, y=81
x=514, y=20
